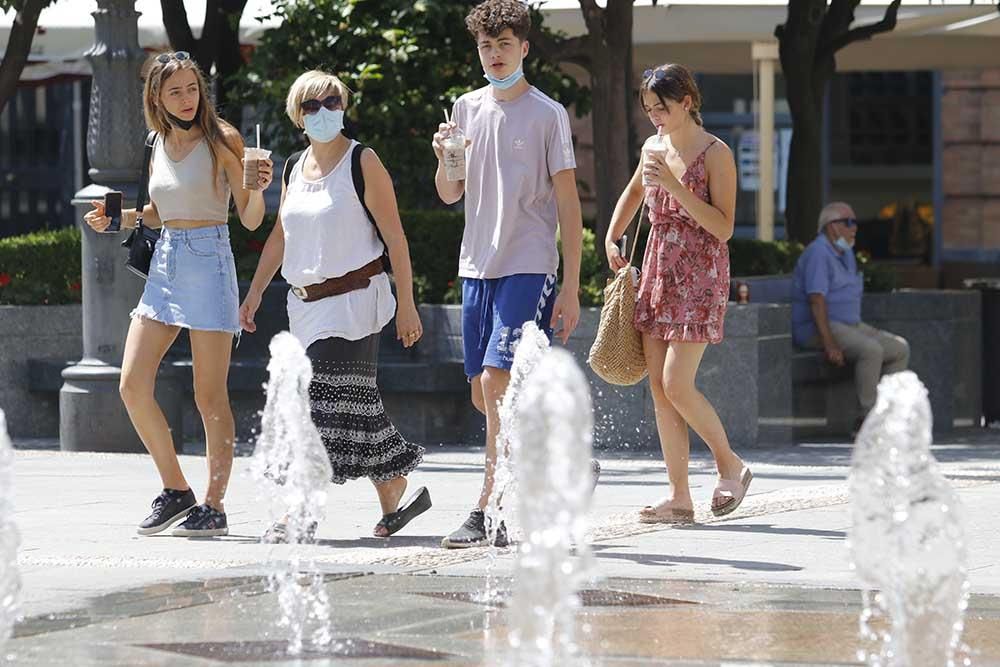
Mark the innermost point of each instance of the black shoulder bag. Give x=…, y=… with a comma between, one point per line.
x=359, y=187
x=142, y=241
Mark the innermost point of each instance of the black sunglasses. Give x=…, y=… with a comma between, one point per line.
x=654, y=74
x=165, y=58
x=331, y=103
x=849, y=222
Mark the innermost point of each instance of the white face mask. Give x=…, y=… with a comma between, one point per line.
x=843, y=243
x=509, y=80
x=324, y=125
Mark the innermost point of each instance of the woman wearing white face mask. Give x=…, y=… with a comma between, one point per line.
x=338, y=230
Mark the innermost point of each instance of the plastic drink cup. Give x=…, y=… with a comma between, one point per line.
x=251, y=166
x=454, y=155
x=657, y=147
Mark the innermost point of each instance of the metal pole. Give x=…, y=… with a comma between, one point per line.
x=91, y=414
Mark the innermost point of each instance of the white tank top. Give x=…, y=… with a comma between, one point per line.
x=185, y=190
x=328, y=234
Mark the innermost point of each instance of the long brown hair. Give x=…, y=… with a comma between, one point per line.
x=673, y=82
x=207, y=119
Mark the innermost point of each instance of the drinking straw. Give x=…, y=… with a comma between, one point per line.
x=446, y=118
x=258, y=135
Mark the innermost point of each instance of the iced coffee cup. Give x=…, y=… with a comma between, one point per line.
x=454, y=155
x=656, y=146
x=251, y=166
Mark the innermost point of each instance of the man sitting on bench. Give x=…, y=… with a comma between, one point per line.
x=826, y=307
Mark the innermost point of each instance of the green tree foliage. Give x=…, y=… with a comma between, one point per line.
x=403, y=59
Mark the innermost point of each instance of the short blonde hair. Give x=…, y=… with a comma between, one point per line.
x=311, y=85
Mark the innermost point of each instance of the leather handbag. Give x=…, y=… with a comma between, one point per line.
x=616, y=355
x=141, y=243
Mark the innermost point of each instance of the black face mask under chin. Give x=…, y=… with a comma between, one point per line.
x=184, y=124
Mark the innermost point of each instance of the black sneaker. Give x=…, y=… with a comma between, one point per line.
x=203, y=521
x=168, y=508
x=473, y=533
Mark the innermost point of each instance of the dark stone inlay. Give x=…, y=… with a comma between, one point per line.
x=153, y=599
x=588, y=598
x=275, y=651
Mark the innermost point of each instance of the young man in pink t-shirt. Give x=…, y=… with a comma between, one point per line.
x=520, y=186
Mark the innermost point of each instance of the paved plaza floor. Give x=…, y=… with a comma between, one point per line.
x=771, y=584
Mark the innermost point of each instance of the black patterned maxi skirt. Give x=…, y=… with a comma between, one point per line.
x=347, y=410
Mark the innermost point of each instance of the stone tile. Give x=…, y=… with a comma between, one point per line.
x=962, y=78
x=961, y=111
x=989, y=110
x=962, y=223
x=990, y=170
x=961, y=167
x=991, y=223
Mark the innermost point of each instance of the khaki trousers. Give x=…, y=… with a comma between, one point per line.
x=872, y=351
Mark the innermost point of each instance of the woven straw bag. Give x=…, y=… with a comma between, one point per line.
x=616, y=355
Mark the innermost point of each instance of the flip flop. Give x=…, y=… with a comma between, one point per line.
x=734, y=490
x=667, y=515
x=418, y=503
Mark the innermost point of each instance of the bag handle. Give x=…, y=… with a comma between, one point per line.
x=638, y=228
x=140, y=197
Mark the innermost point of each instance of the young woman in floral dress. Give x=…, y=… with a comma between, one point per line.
x=691, y=199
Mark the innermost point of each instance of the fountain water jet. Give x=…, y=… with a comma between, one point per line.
x=551, y=446
x=907, y=538
x=532, y=345
x=291, y=467
x=10, y=581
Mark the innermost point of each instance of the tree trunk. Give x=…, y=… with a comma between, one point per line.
x=610, y=48
x=797, y=43
x=805, y=185
x=807, y=45
x=227, y=57
x=18, y=47
x=218, y=47
x=806, y=86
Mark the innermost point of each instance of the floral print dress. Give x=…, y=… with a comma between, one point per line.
x=684, y=286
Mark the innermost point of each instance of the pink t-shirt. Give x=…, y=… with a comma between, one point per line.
x=510, y=204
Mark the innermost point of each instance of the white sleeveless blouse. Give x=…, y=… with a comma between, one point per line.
x=327, y=234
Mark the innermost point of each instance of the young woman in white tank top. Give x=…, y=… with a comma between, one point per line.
x=196, y=164
x=323, y=232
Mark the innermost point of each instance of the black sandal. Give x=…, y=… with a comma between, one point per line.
x=418, y=503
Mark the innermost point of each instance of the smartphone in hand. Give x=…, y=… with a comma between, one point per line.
x=113, y=210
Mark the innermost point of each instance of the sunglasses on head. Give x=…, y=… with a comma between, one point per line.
x=165, y=58
x=654, y=75
x=330, y=103
x=848, y=222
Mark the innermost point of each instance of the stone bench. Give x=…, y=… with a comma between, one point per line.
x=765, y=391
x=943, y=328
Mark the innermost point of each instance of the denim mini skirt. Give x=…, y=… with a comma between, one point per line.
x=192, y=281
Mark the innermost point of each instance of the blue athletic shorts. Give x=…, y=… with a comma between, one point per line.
x=493, y=312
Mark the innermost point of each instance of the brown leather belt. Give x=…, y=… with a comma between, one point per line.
x=350, y=281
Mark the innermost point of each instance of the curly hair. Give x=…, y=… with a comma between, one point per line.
x=494, y=16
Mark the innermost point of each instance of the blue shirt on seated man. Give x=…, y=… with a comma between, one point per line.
x=826, y=307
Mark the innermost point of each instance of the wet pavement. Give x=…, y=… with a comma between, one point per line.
x=770, y=584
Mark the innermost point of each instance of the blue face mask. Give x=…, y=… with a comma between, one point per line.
x=843, y=244
x=324, y=125
x=508, y=81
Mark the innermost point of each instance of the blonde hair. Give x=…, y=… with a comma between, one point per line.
x=208, y=120
x=311, y=85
